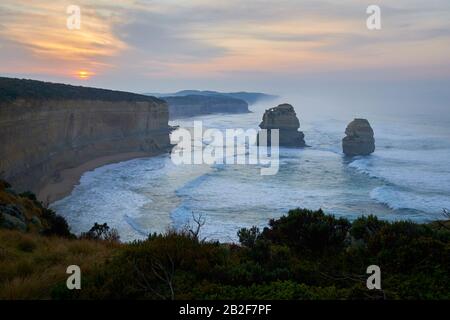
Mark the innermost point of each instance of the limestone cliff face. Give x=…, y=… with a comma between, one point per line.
x=40, y=137
x=359, y=138
x=284, y=118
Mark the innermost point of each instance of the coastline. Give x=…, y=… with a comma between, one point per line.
x=60, y=187
x=182, y=117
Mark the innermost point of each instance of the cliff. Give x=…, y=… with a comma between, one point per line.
x=284, y=118
x=249, y=97
x=359, y=138
x=48, y=128
x=194, y=105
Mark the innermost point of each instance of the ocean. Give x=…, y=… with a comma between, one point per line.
x=407, y=178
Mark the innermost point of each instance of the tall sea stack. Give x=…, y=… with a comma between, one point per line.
x=359, y=138
x=285, y=119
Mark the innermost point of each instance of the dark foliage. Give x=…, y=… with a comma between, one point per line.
x=249, y=97
x=29, y=195
x=12, y=89
x=26, y=206
x=101, y=232
x=57, y=225
x=203, y=100
x=249, y=237
x=198, y=104
x=308, y=231
x=4, y=184
x=304, y=255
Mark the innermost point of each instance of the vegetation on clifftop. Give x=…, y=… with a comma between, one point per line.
x=192, y=105
x=12, y=89
x=303, y=255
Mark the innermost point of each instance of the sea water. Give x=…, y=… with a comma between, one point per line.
x=408, y=178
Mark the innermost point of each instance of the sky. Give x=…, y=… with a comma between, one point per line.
x=260, y=45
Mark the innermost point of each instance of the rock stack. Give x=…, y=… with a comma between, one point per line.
x=285, y=119
x=359, y=138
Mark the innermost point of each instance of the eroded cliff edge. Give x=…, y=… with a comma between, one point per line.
x=48, y=128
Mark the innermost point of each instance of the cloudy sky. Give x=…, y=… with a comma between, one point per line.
x=167, y=45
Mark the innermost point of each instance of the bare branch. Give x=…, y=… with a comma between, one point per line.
x=446, y=213
x=199, y=222
x=146, y=284
x=165, y=275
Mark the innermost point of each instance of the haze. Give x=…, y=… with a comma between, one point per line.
x=283, y=46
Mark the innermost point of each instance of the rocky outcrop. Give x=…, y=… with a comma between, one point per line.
x=46, y=128
x=23, y=212
x=285, y=119
x=359, y=138
x=11, y=217
x=194, y=105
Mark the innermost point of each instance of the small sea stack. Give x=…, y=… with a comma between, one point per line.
x=359, y=140
x=283, y=118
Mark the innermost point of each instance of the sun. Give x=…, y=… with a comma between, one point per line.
x=83, y=74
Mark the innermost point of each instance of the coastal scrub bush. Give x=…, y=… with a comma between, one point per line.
x=248, y=237
x=363, y=228
x=308, y=231
x=57, y=225
x=32, y=214
x=278, y=290
x=28, y=195
x=4, y=184
x=303, y=255
x=101, y=232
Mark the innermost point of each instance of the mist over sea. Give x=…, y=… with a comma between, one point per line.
x=408, y=176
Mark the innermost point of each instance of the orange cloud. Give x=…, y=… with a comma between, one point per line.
x=203, y=38
x=40, y=27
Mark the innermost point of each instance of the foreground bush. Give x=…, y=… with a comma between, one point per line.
x=304, y=255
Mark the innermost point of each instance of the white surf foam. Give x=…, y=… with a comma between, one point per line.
x=396, y=199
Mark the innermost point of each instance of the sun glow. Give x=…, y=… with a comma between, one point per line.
x=84, y=75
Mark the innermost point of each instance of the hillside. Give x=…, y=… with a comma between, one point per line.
x=12, y=89
x=36, y=247
x=194, y=105
x=249, y=97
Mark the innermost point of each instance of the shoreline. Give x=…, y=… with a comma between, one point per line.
x=62, y=186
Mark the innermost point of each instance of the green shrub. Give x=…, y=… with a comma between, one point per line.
x=28, y=195
x=101, y=232
x=57, y=225
x=248, y=237
x=308, y=231
x=304, y=255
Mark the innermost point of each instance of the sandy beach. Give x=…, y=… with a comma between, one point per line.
x=69, y=178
